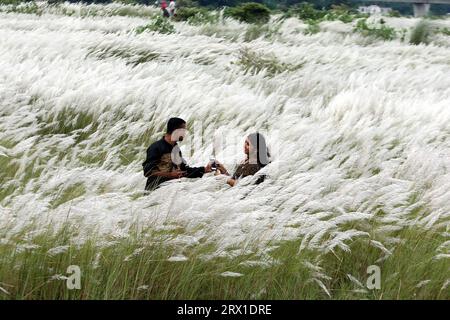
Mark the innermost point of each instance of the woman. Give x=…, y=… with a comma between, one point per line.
x=257, y=156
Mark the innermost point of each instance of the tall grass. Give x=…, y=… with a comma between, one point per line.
x=142, y=266
x=378, y=31
x=77, y=10
x=420, y=33
x=254, y=63
x=158, y=24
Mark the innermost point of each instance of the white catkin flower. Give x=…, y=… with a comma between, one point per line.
x=96, y=262
x=231, y=274
x=256, y=263
x=322, y=286
x=442, y=256
x=58, y=277
x=57, y=250
x=177, y=258
x=143, y=287
x=380, y=246
x=355, y=281
x=445, y=285
x=422, y=283
x=360, y=291
x=258, y=294
x=4, y=291
x=135, y=253
x=25, y=247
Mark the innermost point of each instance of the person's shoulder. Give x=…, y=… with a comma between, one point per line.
x=155, y=145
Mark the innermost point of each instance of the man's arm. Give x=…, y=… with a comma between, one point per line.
x=194, y=172
x=176, y=174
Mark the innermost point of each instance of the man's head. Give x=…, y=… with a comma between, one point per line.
x=176, y=128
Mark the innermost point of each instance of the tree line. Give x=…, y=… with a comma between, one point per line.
x=403, y=8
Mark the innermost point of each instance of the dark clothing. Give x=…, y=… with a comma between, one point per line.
x=247, y=169
x=160, y=157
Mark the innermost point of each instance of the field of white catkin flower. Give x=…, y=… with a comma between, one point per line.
x=359, y=130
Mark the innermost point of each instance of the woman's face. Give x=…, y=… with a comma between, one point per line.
x=247, y=146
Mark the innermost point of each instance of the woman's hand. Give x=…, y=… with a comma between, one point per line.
x=231, y=182
x=221, y=168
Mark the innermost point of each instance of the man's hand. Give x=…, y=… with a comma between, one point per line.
x=208, y=168
x=220, y=168
x=176, y=174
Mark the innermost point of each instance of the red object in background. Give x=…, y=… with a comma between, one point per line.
x=163, y=4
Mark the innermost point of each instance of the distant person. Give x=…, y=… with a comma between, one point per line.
x=164, y=160
x=164, y=9
x=172, y=7
x=257, y=156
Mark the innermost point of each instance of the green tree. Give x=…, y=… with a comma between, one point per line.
x=251, y=12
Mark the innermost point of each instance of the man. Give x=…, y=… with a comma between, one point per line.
x=164, y=160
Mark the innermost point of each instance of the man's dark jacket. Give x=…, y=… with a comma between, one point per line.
x=160, y=158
